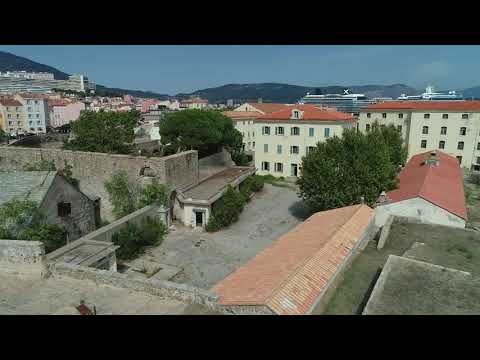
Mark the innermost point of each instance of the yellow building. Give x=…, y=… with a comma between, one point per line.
x=283, y=137
x=12, y=112
x=450, y=126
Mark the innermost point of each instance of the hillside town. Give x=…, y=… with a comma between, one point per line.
x=336, y=204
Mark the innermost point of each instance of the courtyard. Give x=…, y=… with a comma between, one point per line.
x=201, y=259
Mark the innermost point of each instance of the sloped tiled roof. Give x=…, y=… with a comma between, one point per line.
x=241, y=114
x=441, y=185
x=310, y=113
x=268, y=108
x=7, y=101
x=426, y=105
x=289, y=275
x=25, y=185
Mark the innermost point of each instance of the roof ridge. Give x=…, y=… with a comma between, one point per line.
x=308, y=258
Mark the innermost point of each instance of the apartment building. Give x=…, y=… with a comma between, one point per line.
x=35, y=111
x=283, y=137
x=12, y=113
x=62, y=112
x=194, y=103
x=450, y=126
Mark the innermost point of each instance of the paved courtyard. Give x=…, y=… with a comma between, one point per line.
x=202, y=259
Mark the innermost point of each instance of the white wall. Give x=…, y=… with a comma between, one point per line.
x=420, y=209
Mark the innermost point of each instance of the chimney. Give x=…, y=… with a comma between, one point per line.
x=432, y=160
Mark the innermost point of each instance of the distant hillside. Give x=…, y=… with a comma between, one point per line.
x=11, y=62
x=106, y=91
x=285, y=93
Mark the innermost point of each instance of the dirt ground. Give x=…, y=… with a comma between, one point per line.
x=206, y=258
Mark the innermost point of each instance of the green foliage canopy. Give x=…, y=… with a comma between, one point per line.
x=105, y=132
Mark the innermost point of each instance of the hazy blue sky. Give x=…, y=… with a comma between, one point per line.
x=173, y=69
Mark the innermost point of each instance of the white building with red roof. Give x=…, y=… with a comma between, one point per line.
x=430, y=189
x=450, y=126
x=283, y=137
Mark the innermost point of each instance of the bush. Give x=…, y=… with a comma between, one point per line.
x=474, y=178
x=226, y=210
x=151, y=193
x=52, y=236
x=42, y=165
x=251, y=184
x=132, y=238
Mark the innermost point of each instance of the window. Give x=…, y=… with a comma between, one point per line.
x=423, y=144
x=311, y=132
x=265, y=148
x=279, y=149
x=425, y=130
x=327, y=132
x=29, y=116
x=356, y=114
x=296, y=114
x=39, y=129
x=29, y=109
x=460, y=145
x=295, y=130
x=310, y=149
x=426, y=116
x=459, y=158
x=266, y=130
x=443, y=130
x=445, y=116
x=30, y=123
x=63, y=209
x=294, y=149
x=278, y=167
x=478, y=146
x=399, y=128
x=265, y=165
x=18, y=115
x=253, y=144
x=463, y=131
x=384, y=115
x=400, y=116
x=441, y=144
x=369, y=115
x=478, y=160
x=36, y=102
x=279, y=130
x=367, y=127
x=32, y=129
x=29, y=102
x=464, y=116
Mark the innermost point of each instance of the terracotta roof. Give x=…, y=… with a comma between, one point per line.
x=452, y=105
x=441, y=185
x=289, y=275
x=241, y=114
x=32, y=96
x=310, y=113
x=5, y=101
x=268, y=108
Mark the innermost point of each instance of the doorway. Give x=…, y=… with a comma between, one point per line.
x=198, y=218
x=294, y=170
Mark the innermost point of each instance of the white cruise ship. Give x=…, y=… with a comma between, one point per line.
x=430, y=94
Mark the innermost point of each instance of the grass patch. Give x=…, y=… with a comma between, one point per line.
x=277, y=181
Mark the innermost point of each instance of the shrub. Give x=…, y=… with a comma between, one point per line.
x=132, y=238
x=151, y=193
x=251, y=184
x=226, y=210
x=42, y=165
x=474, y=178
x=122, y=194
x=52, y=236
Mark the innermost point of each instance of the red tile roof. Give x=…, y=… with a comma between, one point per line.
x=310, y=113
x=241, y=114
x=289, y=275
x=268, y=108
x=426, y=105
x=6, y=101
x=441, y=185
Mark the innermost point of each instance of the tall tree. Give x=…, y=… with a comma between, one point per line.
x=343, y=171
x=106, y=132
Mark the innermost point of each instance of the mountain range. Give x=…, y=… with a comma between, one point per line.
x=268, y=92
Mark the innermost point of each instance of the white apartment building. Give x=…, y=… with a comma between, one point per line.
x=283, y=137
x=35, y=111
x=450, y=126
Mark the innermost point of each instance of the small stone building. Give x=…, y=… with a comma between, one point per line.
x=59, y=201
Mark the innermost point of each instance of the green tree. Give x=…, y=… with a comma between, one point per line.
x=343, y=171
x=202, y=130
x=122, y=194
x=105, y=132
x=15, y=216
x=397, y=150
x=226, y=210
x=154, y=192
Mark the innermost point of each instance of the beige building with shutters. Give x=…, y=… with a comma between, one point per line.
x=282, y=138
x=450, y=126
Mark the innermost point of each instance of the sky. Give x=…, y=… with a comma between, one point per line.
x=173, y=69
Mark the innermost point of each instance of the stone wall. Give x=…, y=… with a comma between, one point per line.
x=162, y=289
x=93, y=169
x=215, y=163
x=24, y=258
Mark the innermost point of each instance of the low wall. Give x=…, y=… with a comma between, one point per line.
x=162, y=289
x=22, y=258
x=215, y=163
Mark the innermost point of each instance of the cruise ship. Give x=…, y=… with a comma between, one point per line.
x=346, y=102
x=430, y=94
